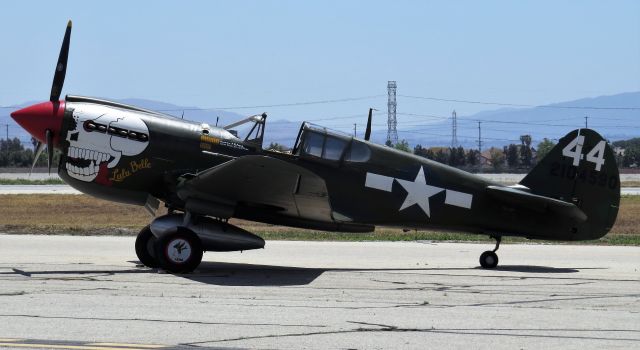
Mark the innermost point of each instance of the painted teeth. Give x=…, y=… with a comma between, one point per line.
x=89, y=172
x=86, y=172
x=97, y=157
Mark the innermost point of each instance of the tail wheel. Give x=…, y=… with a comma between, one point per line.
x=489, y=259
x=179, y=252
x=145, y=248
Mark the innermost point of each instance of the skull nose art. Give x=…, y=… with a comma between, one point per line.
x=38, y=118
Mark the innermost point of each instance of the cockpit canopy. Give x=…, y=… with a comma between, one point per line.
x=316, y=142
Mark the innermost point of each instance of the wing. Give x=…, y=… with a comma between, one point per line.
x=259, y=182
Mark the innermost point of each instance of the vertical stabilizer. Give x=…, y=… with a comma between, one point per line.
x=581, y=169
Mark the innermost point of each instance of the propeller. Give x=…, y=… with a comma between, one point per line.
x=40, y=147
x=54, y=98
x=49, y=135
x=367, y=134
x=61, y=66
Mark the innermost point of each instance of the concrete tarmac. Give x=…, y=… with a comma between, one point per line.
x=38, y=189
x=79, y=291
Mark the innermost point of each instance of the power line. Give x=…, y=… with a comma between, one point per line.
x=517, y=104
x=446, y=136
x=377, y=96
x=475, y=120
x=304, y=103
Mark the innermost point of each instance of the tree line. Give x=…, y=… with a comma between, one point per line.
x=629, y=153
x=13, y=154
x=513, y=157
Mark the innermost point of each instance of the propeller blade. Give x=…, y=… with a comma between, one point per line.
x=39, y=149
x=61, y=66
x=49, y=136
x=367, y=134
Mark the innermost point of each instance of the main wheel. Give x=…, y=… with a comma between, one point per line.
x=489, y=259
x=179, y=252
x=145, y=248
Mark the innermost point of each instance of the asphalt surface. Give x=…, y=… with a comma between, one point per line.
x=79, y=291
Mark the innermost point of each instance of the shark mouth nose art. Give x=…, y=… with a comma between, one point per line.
x=86, y=163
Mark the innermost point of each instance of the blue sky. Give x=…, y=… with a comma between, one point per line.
x=245, y=53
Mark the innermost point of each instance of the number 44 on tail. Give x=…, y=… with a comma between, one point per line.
x=574, y=150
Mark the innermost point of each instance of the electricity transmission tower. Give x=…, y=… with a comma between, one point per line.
x=392, y=133
x=454, y=129
x=479, y=146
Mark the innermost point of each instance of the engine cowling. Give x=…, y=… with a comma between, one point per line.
x=215, y=236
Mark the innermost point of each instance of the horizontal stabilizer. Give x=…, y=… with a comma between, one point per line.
x=535, y=202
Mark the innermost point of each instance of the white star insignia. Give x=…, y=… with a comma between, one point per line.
x=418, y=192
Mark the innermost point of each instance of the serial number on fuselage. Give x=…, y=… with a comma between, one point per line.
x=592, y=177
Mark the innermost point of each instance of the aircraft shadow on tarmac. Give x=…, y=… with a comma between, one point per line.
x=233, y=274
x=538, y=269
x=230, y=274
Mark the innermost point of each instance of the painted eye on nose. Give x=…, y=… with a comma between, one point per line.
x=91, y=126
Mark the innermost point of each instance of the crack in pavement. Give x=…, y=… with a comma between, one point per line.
x=280, y=306
x=12, y=294
x=162, y=321
x=459, y=331
x=555, y=299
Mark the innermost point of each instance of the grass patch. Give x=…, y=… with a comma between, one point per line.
x=52, y=181
x=85, y=215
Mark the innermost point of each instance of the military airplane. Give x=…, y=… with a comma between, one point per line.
x=205, y=175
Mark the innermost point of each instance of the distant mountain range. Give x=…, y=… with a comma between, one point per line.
x=616, y=117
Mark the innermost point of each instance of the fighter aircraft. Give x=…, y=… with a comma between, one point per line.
x=205, y=175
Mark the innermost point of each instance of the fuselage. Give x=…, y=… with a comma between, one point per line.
x=127, y=154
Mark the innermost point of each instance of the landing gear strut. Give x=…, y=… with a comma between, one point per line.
x=489, y=259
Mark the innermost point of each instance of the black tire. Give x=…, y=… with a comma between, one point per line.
x=179, y=252
x=145, y=250
x=489, y=259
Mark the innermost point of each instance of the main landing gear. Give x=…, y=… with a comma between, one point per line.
x=145, y=248
x=489, y=259
x=179, y=251
x=175, y=242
